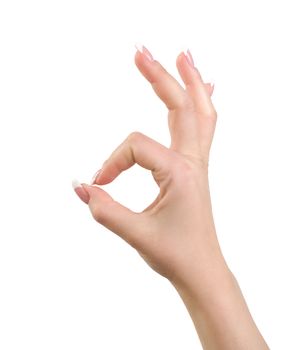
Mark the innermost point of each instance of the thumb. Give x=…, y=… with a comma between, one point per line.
x=116, y=217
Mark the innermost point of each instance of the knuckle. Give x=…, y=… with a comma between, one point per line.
x=188, y=170
x=95, y=210
x=134, y=136
x=183, y=171
x=212, y=114
x=183, y=103
x=99, y=214
x=186, y=103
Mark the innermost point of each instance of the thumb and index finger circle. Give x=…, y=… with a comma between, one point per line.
x=136, y=148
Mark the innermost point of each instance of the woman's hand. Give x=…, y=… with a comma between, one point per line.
x=175, y=234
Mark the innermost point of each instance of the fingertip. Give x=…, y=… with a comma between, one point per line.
x=81, y=191
x=143, y=57
x=144, y=65
x=137, y=56
x=181, y=61
x=210, y=88
x=180, y=55
x=188, y=73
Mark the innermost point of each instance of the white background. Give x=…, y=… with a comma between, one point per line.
x=70, y=93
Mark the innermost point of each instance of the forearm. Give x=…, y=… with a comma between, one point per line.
x=218, y=309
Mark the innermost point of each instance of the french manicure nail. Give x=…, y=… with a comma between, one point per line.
x=80, y=191
x=144, y=51
x=94, y=177
x=212, y=84
x=189, y=57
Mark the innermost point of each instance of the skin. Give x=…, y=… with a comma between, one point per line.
x=175, y=234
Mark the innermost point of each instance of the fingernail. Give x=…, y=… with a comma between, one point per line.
x=189, y=57
x=94, y=177
x=212, y=84
x=80, y=191
x=144, y=51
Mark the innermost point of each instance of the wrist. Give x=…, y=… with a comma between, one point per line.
x=218, y=309
x=205, y=280
x=202, y=269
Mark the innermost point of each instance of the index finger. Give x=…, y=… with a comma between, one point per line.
x=164, y=84
x=137, y=148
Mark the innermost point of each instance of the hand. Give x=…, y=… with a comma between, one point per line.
x=175, y=234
